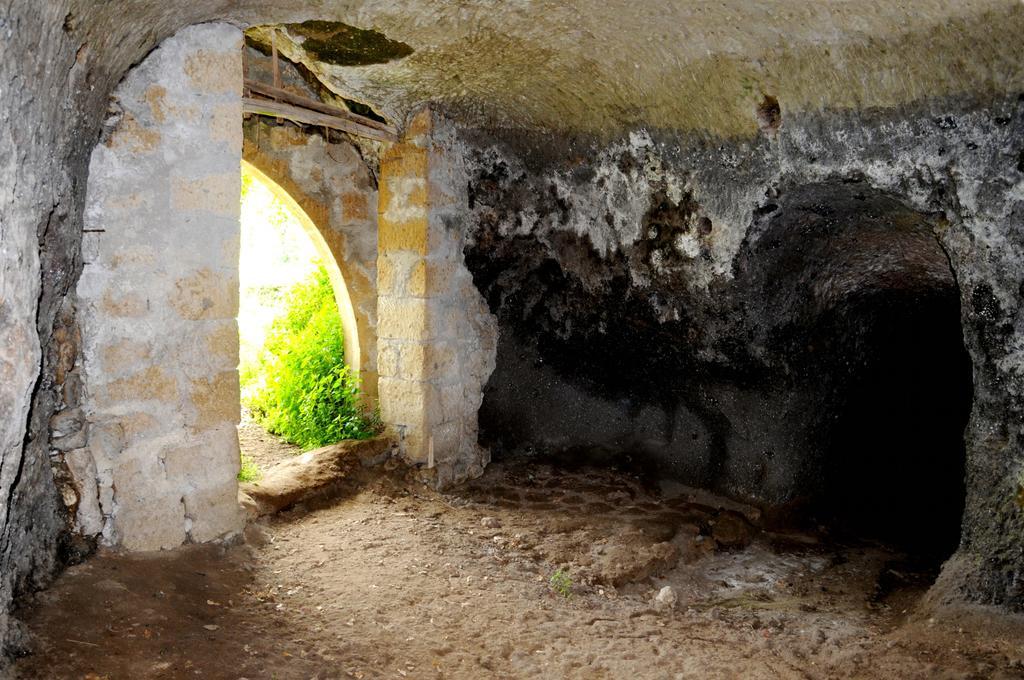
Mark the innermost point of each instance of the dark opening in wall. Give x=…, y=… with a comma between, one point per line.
x=894, y=457
x=826, y=381
x=862, y=314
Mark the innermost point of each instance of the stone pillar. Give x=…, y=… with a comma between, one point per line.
x=436, y=337
x=159, y=297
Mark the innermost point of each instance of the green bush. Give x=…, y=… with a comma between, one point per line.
x=301, y=388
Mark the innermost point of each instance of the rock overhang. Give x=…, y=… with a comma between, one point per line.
x=603, y=68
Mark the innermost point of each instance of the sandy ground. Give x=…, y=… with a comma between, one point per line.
x=262, y=447
x=397, y=581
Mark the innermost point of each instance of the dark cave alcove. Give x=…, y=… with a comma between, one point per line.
x=826, y=381
x=891, y=456
x=863, y=315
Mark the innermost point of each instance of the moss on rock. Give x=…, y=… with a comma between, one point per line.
x=340, y=44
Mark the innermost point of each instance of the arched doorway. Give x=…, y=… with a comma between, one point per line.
x=326, y=256
x=330, y=186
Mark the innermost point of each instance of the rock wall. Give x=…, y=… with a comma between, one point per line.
x=334, y=187
x=640, y=312
x=158, y=297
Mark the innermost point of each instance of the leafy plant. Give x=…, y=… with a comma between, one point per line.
x=561, y=583
x=250, y=471
x=301, y=388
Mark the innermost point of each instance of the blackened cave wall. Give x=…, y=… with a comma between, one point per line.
x=791, y=321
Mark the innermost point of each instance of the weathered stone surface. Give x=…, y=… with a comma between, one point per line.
x=160, y=345
x=88, y=516
x=682, y=304
x=436, y=337
x=314, y=474
x=508, y=68
x=599, y=67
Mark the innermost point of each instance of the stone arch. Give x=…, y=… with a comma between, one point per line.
x=329, y=186
x=341, y=295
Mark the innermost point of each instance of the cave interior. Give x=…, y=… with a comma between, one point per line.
x=764, y=253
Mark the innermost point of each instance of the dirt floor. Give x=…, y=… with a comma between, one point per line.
x=396, y=581
x=262, y=447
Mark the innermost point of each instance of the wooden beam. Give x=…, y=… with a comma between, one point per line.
x=274, y=60
x=264, y=107
x=307, y=103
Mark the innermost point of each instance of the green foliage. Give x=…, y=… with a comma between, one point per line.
x=250, y=471
x=301, y=388
x=561, y=583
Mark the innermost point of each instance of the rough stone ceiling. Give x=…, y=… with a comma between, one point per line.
x=601, y=66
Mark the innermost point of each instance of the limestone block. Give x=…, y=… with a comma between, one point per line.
x=411, y=361
x=442, y=276
x=216, y=400
x=444, y=319
x=89, y=518
x=133, y=137
x=121, y=356
x=153, y=522
x=213, y=193
x=222, y=344
x=388, y=360
x=138, y=425
x=401, y=318
x=386, y=274
x=211, y=456
x=403, y=161
x=183, y=462
x=206, y=294
x=124, y=304
x=415, y=445
x=402, y=401
x=215, y=71
x=106, y=441
x=401, y=273
x=441, y=362
x=452, y=402
x=403, y=230
x=152, y=383
x=212, y=511
x=447, y=440
x=224, y=125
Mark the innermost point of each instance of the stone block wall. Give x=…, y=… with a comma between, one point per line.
x=436, y=337
x=158, y=298
x=332, y=185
